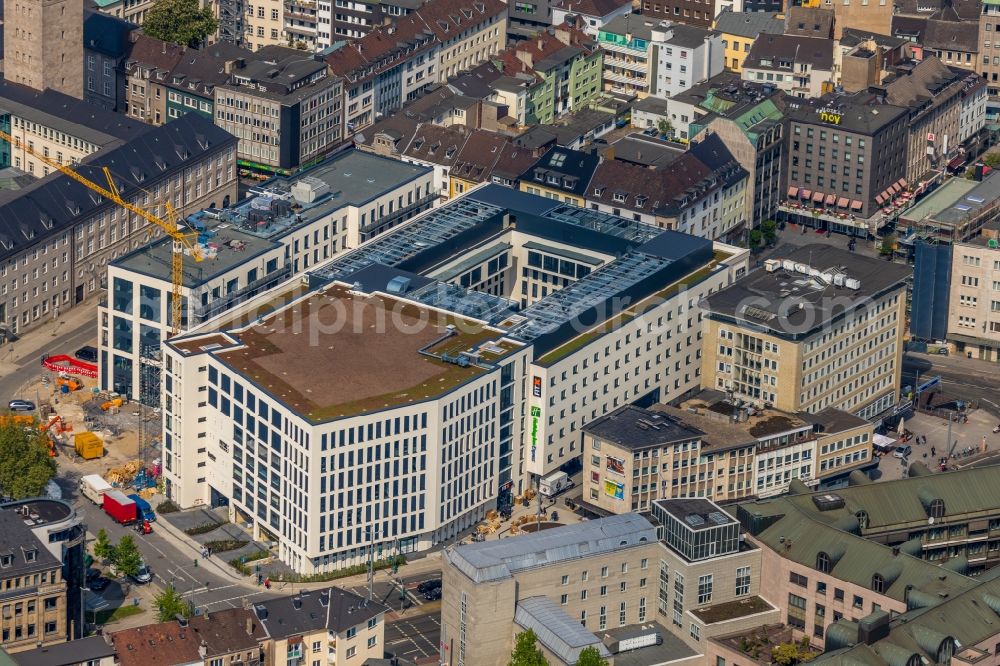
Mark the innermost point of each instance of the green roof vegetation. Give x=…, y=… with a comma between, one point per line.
x=732, y=610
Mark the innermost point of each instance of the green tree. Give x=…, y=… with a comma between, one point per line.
x=756, y=238
x=665, y=127
x=103, y=549
x=126, y=557
x=169, y=604
x=589, y=656
x=888, y=245
x=525, y=652
x=180, y=22
x=791, y=653
x=992, y=160
x=769, y=230
x=25, y=465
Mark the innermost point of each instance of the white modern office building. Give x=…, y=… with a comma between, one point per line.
x=396, y=393
x=285, y=227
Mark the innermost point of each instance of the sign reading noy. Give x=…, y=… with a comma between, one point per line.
x=829, y=116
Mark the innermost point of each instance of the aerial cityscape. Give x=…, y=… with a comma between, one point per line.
x=500, y=333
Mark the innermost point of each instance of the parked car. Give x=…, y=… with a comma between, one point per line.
x=429, y=585
x=433, y=595
x=98, y=584
x=87, y=353
x=143, y=575
x=903, y=451
x=93, y=574
x=21, y=406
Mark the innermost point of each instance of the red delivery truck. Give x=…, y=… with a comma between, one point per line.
x=119, y=507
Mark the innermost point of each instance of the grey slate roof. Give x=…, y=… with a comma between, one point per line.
x=333, y=609
x=557, y=631
x=17, y=540
x=105, y=33
x=748, y=24
x=497, y=560
x=817, y=52
x=35, y=213
x=70, y=115
x=66, y=654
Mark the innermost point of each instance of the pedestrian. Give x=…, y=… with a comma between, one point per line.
x=933, y=452
x=267, y=583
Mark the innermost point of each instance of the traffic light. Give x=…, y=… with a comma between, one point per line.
x=196, y=562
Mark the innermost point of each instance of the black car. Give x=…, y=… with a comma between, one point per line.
x=429, y=585
x=92, y=574
x=87, y=353
x=98, y=584
x=433, y=595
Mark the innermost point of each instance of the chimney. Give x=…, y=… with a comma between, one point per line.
x=203, y=650
x=297, y=602
x=249, y=626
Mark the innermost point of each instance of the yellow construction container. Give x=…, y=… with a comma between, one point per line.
x=88, y=445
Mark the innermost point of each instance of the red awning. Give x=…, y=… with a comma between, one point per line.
x=879, y=199
x=831, y=199
x=793, y=192
x=902, y=182
x=842, y=202
x=895, y=188
x=805, y=194
x=956, y=162
x=856, y=205
x=818, y=197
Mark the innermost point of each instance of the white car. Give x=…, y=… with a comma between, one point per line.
x=903, y=451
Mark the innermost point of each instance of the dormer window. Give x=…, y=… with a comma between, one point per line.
x=30, y=555
x=6, y=560
x=620, y=197
x=598, y=191
x=878, y=584
x=640, y=201
x=552, y=180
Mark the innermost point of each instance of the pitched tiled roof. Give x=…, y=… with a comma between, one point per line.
x=166, y=643
x=642, y=189
x=809, y=22
x=437, y=144
x=478, y=156
x=438, y=21
x=951, y=35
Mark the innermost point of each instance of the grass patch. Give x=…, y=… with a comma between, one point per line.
x=354, y=570
x=167, y=506
x=244, y=564
x=120, y=613
x=204, y=528
x=222, y=545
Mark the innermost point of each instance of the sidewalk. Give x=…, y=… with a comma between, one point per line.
x=184, y=542
x=35, y=342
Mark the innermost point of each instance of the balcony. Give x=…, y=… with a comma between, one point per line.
x=637, y=81
x=627, y=63
x=309, y=30
x=620, y=48
x=232, y=299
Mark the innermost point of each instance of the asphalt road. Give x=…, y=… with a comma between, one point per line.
x=968, y=379
x=65, y=342
x=414, y=637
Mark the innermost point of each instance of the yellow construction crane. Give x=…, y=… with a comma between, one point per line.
x=181, y=239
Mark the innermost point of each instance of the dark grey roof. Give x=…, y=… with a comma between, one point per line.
x=708, y=512
x=817, y=52
x=713, y=153
x=17, y=540
x=951, y=35
x=105, y=33
x=31, y=215
x=688, y=36
x=637, y=428
x=831, y=420
x=858, y=113
x=70, y=115
x=764, y=300
x=748, y=24
x=66, y=654
x=333, y=609
x=278, y=72
x=853, y=36
x=577, y=166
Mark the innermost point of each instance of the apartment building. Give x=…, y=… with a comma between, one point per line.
x=739, y=30
x=800, y=66
x=933, y=93
x=598, y=575
x=89, y=651
x=701, y=192
x=771, y=345
x=285, y=110
x=659, y=58
x=35, y=590
x=711, y=447
x=564, y=65
x=395, y=64
x=445, y=385
x=331, y=626
x=262, y=242
x=748, y=119
x=845, y=163
x=689, y=12
x=43, y=45
x=52, y=258
x=228, y=636
x=133, y=11
x=106, y=42
x=164, y=81
x=58, y=126
x=561, y=175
